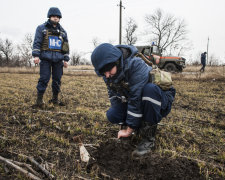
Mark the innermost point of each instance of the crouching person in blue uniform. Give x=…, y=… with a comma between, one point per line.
x=136, y=103
x=51, y=49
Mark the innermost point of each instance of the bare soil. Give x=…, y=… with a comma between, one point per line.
x=114, y=158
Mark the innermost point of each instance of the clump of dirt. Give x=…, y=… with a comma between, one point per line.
x=114, y=159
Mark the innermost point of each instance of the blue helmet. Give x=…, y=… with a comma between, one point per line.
x=104, y=54
x=54, y=11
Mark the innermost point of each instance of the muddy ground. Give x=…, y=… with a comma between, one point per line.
x=190, y=140
x=115, y=160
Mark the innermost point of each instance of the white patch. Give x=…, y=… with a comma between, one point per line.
x=134, y=114
x=151, y=100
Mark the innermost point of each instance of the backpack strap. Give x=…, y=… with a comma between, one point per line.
x=144, y=58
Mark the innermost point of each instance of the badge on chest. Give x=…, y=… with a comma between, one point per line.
x=54, y=42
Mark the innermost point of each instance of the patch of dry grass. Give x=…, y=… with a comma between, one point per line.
x=194, y=129
x=211, y=73
x=208, y=69
x=82, y=67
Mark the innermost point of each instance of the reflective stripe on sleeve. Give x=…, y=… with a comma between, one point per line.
x=66, y=55
x=36, y=50
x=114, y=97
x=151, y=100
x=134, y=114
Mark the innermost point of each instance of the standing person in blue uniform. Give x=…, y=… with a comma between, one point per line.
x=203, y=61
x=51, y=50
x=135, y=102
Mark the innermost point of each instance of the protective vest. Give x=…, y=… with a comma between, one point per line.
x=52, y=41
x=121, y=87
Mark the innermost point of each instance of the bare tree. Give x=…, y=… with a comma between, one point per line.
x=75, y=58
x=6, y=49
x=84, y=61
x=195, y=59
x=130, y=38
x=111, y=41
x=213, y=61
x=1, y=60
x=95, y=41
x=165, y=29
x=16, y=60
x=179, y=49
x=25, y=49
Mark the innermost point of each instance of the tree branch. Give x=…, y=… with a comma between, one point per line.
x=25, y=172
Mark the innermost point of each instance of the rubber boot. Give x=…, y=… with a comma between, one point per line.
x=39, y=101
x=55, y=100
x=147, y=144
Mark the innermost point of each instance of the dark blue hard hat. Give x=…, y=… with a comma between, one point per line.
x=103, y=55
x=54, y=11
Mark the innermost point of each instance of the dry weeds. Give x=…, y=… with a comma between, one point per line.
x=194, y=129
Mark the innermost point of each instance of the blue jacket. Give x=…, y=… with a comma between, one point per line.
x=134, y=72
x=203, y=58
x=48, y=55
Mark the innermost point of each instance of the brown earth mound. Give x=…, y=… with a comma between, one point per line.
x=114, y=159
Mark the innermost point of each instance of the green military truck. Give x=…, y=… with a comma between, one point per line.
x=167, y=63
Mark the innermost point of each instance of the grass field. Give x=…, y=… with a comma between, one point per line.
x=190, y=140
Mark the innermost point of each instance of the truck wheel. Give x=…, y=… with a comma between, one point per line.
x=170, y=67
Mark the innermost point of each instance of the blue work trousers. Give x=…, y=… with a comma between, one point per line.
x=156, y=104
x=46, y=69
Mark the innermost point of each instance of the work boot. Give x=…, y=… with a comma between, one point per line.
x=39, y=101
x=55, y=100
x=147, y=144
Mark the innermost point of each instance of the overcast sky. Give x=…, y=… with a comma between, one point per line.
x=85, y=19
